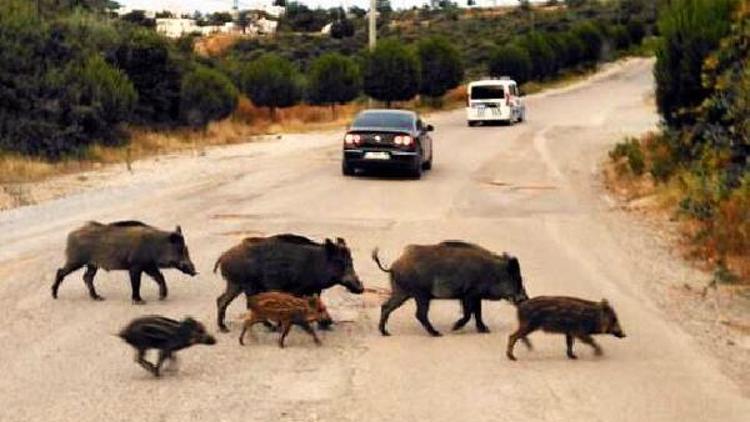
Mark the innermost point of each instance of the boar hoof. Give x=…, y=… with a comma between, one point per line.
x=483, y=330
x=98, y=298
x=223, y=329
x=572, y=356
x=435, y=334
x=510, y=356
x=139, y=302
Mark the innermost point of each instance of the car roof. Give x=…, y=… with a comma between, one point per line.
x=389, y=111
x=489, y=82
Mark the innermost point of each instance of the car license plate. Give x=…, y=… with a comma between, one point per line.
x=377, y=155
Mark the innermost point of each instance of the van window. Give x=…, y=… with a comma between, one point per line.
x=487, y=92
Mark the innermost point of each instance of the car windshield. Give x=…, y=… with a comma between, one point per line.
x=488, y=92
x=384, y=120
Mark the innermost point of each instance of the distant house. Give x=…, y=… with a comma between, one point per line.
x=326, y=29
x=177, y=27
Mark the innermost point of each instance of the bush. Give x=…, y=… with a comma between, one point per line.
x=334, y=79
x=392, y=73
x=574, y=49
x=206, y=95
x=342, y=28
x=543, y=60
x=636, y=30
x=271, y=81
x=592, y=41
x=156, y=72
x=620, y=37
x=511, y=60
x=630, y=149
x=441, y=66
x=691, y=30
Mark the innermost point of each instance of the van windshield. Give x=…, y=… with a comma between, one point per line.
x=488, y=92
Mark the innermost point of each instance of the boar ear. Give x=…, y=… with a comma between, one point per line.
x=178, y=230
x=513, y=266
x=340, y=241
x=604, y=303
x=175, y=238
x=330, y=247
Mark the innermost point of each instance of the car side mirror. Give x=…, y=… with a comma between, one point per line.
x=429, y=128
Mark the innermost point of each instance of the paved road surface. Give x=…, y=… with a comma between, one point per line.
x=530, y=189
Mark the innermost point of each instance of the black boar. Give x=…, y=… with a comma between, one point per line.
x=287, y=263
x=576, y=318
x=125, y=245
x=286, y=310
x=165, y=335
x=451, y=270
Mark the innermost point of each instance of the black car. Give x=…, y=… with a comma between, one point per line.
x=388, y=139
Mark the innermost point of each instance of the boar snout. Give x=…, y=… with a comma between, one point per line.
x=208, y=339
x=617, y=332
x=353, y=284
x=187, y=268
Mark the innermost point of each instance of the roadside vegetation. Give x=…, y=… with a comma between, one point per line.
x=698, y=163
x=79, y=84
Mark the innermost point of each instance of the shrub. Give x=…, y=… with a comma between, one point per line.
x=636, y=30
x=392, y=73
x=543, y=60
x=206, y=95
x=691, y=29
x=271, y=81
x=334, y=79
x=342, y=28
x=574, y=48
x=592, y=41
x=620, y=37
x=441, y=65
x=510, y=60
x=156, y=73
x=631, y=150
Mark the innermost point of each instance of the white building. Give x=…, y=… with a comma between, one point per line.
x=176, y=27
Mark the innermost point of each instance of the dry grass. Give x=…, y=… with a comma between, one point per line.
x=217, y=44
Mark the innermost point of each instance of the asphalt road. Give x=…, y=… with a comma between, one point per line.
x=531, y=189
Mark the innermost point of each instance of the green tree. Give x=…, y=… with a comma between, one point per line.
x=333, y=79
x=510, y=60
x=392, y=73
x=592, y=41
x=271, y=81
x=441, y=66
x=342, y=28
x=691, y=30
x=543, y=60
x=206, y=95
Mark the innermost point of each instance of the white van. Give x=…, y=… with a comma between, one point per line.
x=494, y=100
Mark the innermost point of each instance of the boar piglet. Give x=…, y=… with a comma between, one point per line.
x=285, y=310
x=576, y=318
x=165, y=335
x=451, y=270
x=286, y=262
x=124, y=245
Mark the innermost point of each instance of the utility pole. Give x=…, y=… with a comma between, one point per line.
x=373, y=23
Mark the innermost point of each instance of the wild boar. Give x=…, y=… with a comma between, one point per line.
x=451, y=270
x=286, y=262
x=576, y=318
x=125, y=245
x=164, y=334
x=285, y=310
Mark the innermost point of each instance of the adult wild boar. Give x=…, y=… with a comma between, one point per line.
x=125, y=245
x=285, y=262
x=451, y=270
x=576, y=318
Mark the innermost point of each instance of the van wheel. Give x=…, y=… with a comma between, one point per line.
x=427, y=165
x=471, y=123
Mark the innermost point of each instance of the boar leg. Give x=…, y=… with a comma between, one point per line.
x=88, y=278
x=520, y=334
x=466, y=306
x=61, y=274
x=159, y=279
x=285, y=327
x=140, y=357
x=233, y=290
x=477, y=308
x=394, y=302
x=306, y=326
x=423, y=308
x=569, y=340
x=135, y=284
x=163, y=355
x=590, y=341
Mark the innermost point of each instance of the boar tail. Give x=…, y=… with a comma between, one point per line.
x=377, y=261
x=218, y=262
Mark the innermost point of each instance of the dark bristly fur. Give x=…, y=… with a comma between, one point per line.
x=451, y=270
x=285, y=310
x=576, y=318
x=124, y=245
x=287, y=262
x=165, y=335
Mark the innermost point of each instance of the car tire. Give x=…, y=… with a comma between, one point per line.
x=427, y=165
x=471, y=123
x=347, y=169
x=416, y=171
